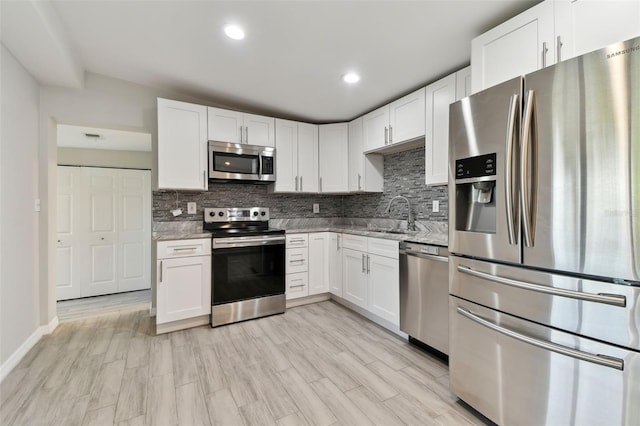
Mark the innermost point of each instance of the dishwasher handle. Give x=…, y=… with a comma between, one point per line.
x=414, y=253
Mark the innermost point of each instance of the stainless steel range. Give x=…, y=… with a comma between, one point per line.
x=248, y=274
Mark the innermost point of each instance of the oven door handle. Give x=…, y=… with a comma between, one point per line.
x=219, y=243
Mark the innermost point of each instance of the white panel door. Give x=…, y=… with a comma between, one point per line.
x=334, y=157
x=69, y=234
x=318, y=262
x=307, y=157
x=102, y=235
x=384, y=287
x=286, y=156
x=134, y=230
x=406, y=117
x=335, y=263
x=516, y=47
x=182, y=145
x=439, y=96
x=375, y=128
x=354, y=277
x=259, y=130
x=224, y=125
x=184, y=288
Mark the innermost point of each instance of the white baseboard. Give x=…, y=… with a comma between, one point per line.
x=31, y=341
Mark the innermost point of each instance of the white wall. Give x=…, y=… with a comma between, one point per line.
x=19, y=280
x=105, y=158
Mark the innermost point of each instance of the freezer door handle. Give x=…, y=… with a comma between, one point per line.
x=528, y=172
x=509, y=186
x=607, y=361
x=609, y=299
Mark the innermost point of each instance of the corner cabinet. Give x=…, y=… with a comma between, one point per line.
x=239, y=127
x=183, y=280
x=366, y=171
x=333, y=157
x=182, y=145
x=297, y=157
x=335, y=263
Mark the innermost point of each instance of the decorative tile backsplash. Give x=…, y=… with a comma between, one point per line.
x=403, y=175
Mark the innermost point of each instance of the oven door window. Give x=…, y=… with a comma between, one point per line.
x=234, y=163
x=247, y=273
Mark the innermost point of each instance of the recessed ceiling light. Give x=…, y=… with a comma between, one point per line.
x=234, y=32
x=351, y=77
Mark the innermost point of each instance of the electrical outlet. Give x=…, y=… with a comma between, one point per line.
x=436, y=206
x=191, y=208
x=316, y=208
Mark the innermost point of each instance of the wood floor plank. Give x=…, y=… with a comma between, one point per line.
x=100, y=416
x=392, y=358
x=308, y=402
x=184, y=365
x=192, y=410
x=257, y=414
x=223, y=409
x=408, y=412
x=351, y=366
x=295, y=419
x=68, y=412
x=161, y=358
x=100, y=341
x=272, y=391
x=161, y=401
x=132, y=399
x=331, y=370
x=106, y=387
x=210, y=373
x=372, y=408
x=118, y=346
x=271, y=354
x=139, y=351
x=340, y=405
x=82, y=376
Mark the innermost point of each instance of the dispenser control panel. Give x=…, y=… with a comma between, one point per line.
x=473, y=167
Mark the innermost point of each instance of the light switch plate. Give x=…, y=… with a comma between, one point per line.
x=436, y=206
x=191, y=208
x=316, y=208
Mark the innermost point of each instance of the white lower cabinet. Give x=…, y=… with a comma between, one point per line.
x=297, y=285
x=318, y=263
x=335, y=263
x=297, y=266
x=183, y=287
x=371, y=278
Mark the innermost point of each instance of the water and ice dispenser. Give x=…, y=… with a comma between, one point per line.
x=476, y=194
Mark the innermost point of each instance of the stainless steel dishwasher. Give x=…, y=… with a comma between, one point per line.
x=424, y=294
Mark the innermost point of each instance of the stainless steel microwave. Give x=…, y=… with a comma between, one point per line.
x=234, y=161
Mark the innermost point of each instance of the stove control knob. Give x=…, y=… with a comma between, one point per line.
x=255, y=213
x=212, y=214
x=220, y=214
x=263, y=213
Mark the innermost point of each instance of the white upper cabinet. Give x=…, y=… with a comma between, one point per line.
x=333, y=156
x=516, y=47
x=439, y=96
x=463, y=83
x=406, y=117
x=365, y=170
x=296, y=157
x=238, y=127
x=586, y=25
x=182, y=145
x=400, y=121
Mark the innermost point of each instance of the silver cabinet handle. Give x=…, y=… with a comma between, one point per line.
x=296, y=183
x=297, y=261
x=511, y=129
x=390, y=134
x=368, y=264
x=300, y=183
x=241, y=134
x=606, y=361
x=386, y=135
x=359, y=179
x=320, y=184
x=363, y=267
x=528, y=202
x=559, y=48
x=544, y=54
x=161, y=271
x=204, y=179
x=609, y=299
x=185, y=248
x=297, y=285
x=337, y=242
x=246, y=134
x=296, y=240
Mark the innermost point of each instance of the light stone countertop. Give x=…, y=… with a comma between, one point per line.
x=179, y=235
x=424, y=237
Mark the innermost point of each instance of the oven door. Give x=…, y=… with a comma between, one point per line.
x=247, y=268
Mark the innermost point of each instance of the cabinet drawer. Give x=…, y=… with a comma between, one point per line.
x=184, y=248
x=297, y=285
x=297, y=240
x=297, y=260
x=354, y=242
x=382, y=247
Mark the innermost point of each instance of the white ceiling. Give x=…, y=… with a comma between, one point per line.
x=291, y=62
x=76, y=137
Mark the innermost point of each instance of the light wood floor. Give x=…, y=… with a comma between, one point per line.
x=317, y=364
x=72, y=310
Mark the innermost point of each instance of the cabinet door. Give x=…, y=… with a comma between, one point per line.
x=318, y=262
x=354, y=277
x=516, y=47
x=439, y=96
x=384, y=287
x=182, y=145
x=307, y=157
x=333, y=157
x=335, y=263
x=583, y=26
x=463, y=83
x=297, y=285
x=286, y=156
x=259, y=130
x=225, y=125
x=297, y=260
x=375, y=129
x=366, y=171
x=406, y=117
x=184, y=288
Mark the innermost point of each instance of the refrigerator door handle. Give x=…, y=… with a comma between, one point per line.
x=511, y=135
x=609, y=299
x=529, y=175
x=607, y=361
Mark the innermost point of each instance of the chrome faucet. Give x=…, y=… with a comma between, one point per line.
x=411, y=224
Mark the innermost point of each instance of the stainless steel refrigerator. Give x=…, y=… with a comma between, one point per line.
x=544, y=232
